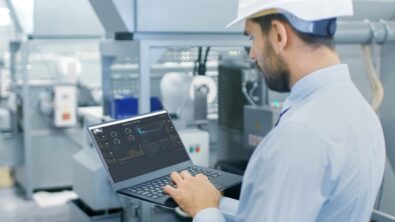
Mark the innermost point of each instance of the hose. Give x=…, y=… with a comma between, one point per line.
x=252, y=91
x=375, y=83
x=244, y=90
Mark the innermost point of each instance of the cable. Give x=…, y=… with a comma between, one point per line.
x=201, y=62
x=198, y=62
x=375, y=83
x=200, y=50
x=206, y=55
x=244, y=90
x=252, y=91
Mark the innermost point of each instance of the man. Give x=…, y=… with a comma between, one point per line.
x=324, y=160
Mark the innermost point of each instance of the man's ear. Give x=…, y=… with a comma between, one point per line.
x=279, y=36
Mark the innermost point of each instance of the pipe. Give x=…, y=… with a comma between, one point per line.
x=14, y=17
x=379, y=216
x=364, y=32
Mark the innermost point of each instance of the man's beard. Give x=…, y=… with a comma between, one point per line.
x=274, y=71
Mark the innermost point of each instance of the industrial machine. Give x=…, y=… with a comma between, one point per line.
x=231, y=102
x=42, y=90
x=258, y=121
x=244, y=113
x=41, y=112
x=5, y=116
x=97, y=199
x=10, y=140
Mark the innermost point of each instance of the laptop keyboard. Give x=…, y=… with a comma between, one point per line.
x=154, y=188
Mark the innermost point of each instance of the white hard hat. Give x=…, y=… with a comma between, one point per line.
x=308, y=10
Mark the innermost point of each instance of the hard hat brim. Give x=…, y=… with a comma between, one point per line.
x=235, y=22
x=317, y=12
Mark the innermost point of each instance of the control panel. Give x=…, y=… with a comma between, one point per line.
x=196, y=143
x=65, y=105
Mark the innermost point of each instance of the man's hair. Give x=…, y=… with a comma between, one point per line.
x=265, y=23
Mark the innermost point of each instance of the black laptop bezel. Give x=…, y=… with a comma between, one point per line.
x=144, y=177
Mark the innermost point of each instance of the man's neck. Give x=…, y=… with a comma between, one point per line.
x=311, y=61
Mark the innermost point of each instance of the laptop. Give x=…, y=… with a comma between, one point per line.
x=139, y=153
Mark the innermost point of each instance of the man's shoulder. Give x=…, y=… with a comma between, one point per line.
x=338, y=106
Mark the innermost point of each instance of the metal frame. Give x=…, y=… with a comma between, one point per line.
x=378, y=216
x=145, y=44
x=363, y=32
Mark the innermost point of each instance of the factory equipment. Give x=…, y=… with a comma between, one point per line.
x=123, y=106
x=43, y=105
x=245, y=114
x=231, y=102
x=47, y=148
x=65, y=105
x=174, y=89
x=5, y=116
x=10, y=139
x=4, y=84
x=5, y=120
x=258, y=121
x=186, y=97
x=97, y=198
x=59, y=105
x=196, y=143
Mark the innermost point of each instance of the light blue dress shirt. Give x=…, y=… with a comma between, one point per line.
x=323, y=162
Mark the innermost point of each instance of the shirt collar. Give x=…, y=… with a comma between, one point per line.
x=314, y=81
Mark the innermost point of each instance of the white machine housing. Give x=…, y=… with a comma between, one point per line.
x=196, y=143
x=5, y=84
x=65, y=105
x=5, y=120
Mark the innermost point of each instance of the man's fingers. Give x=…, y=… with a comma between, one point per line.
x=176, y=177
x=170, y=190
x=173, y=193
x=185, y=174
x=202, y=176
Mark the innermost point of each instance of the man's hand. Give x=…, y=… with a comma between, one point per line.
x=193, y=194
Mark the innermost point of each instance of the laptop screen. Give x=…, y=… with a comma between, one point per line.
x=139, y=146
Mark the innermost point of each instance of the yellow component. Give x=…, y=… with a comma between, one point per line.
x=5, y=178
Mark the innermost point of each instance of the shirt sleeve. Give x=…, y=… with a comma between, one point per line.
x=285, y=180
x=226, y=212
x=209, y=215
